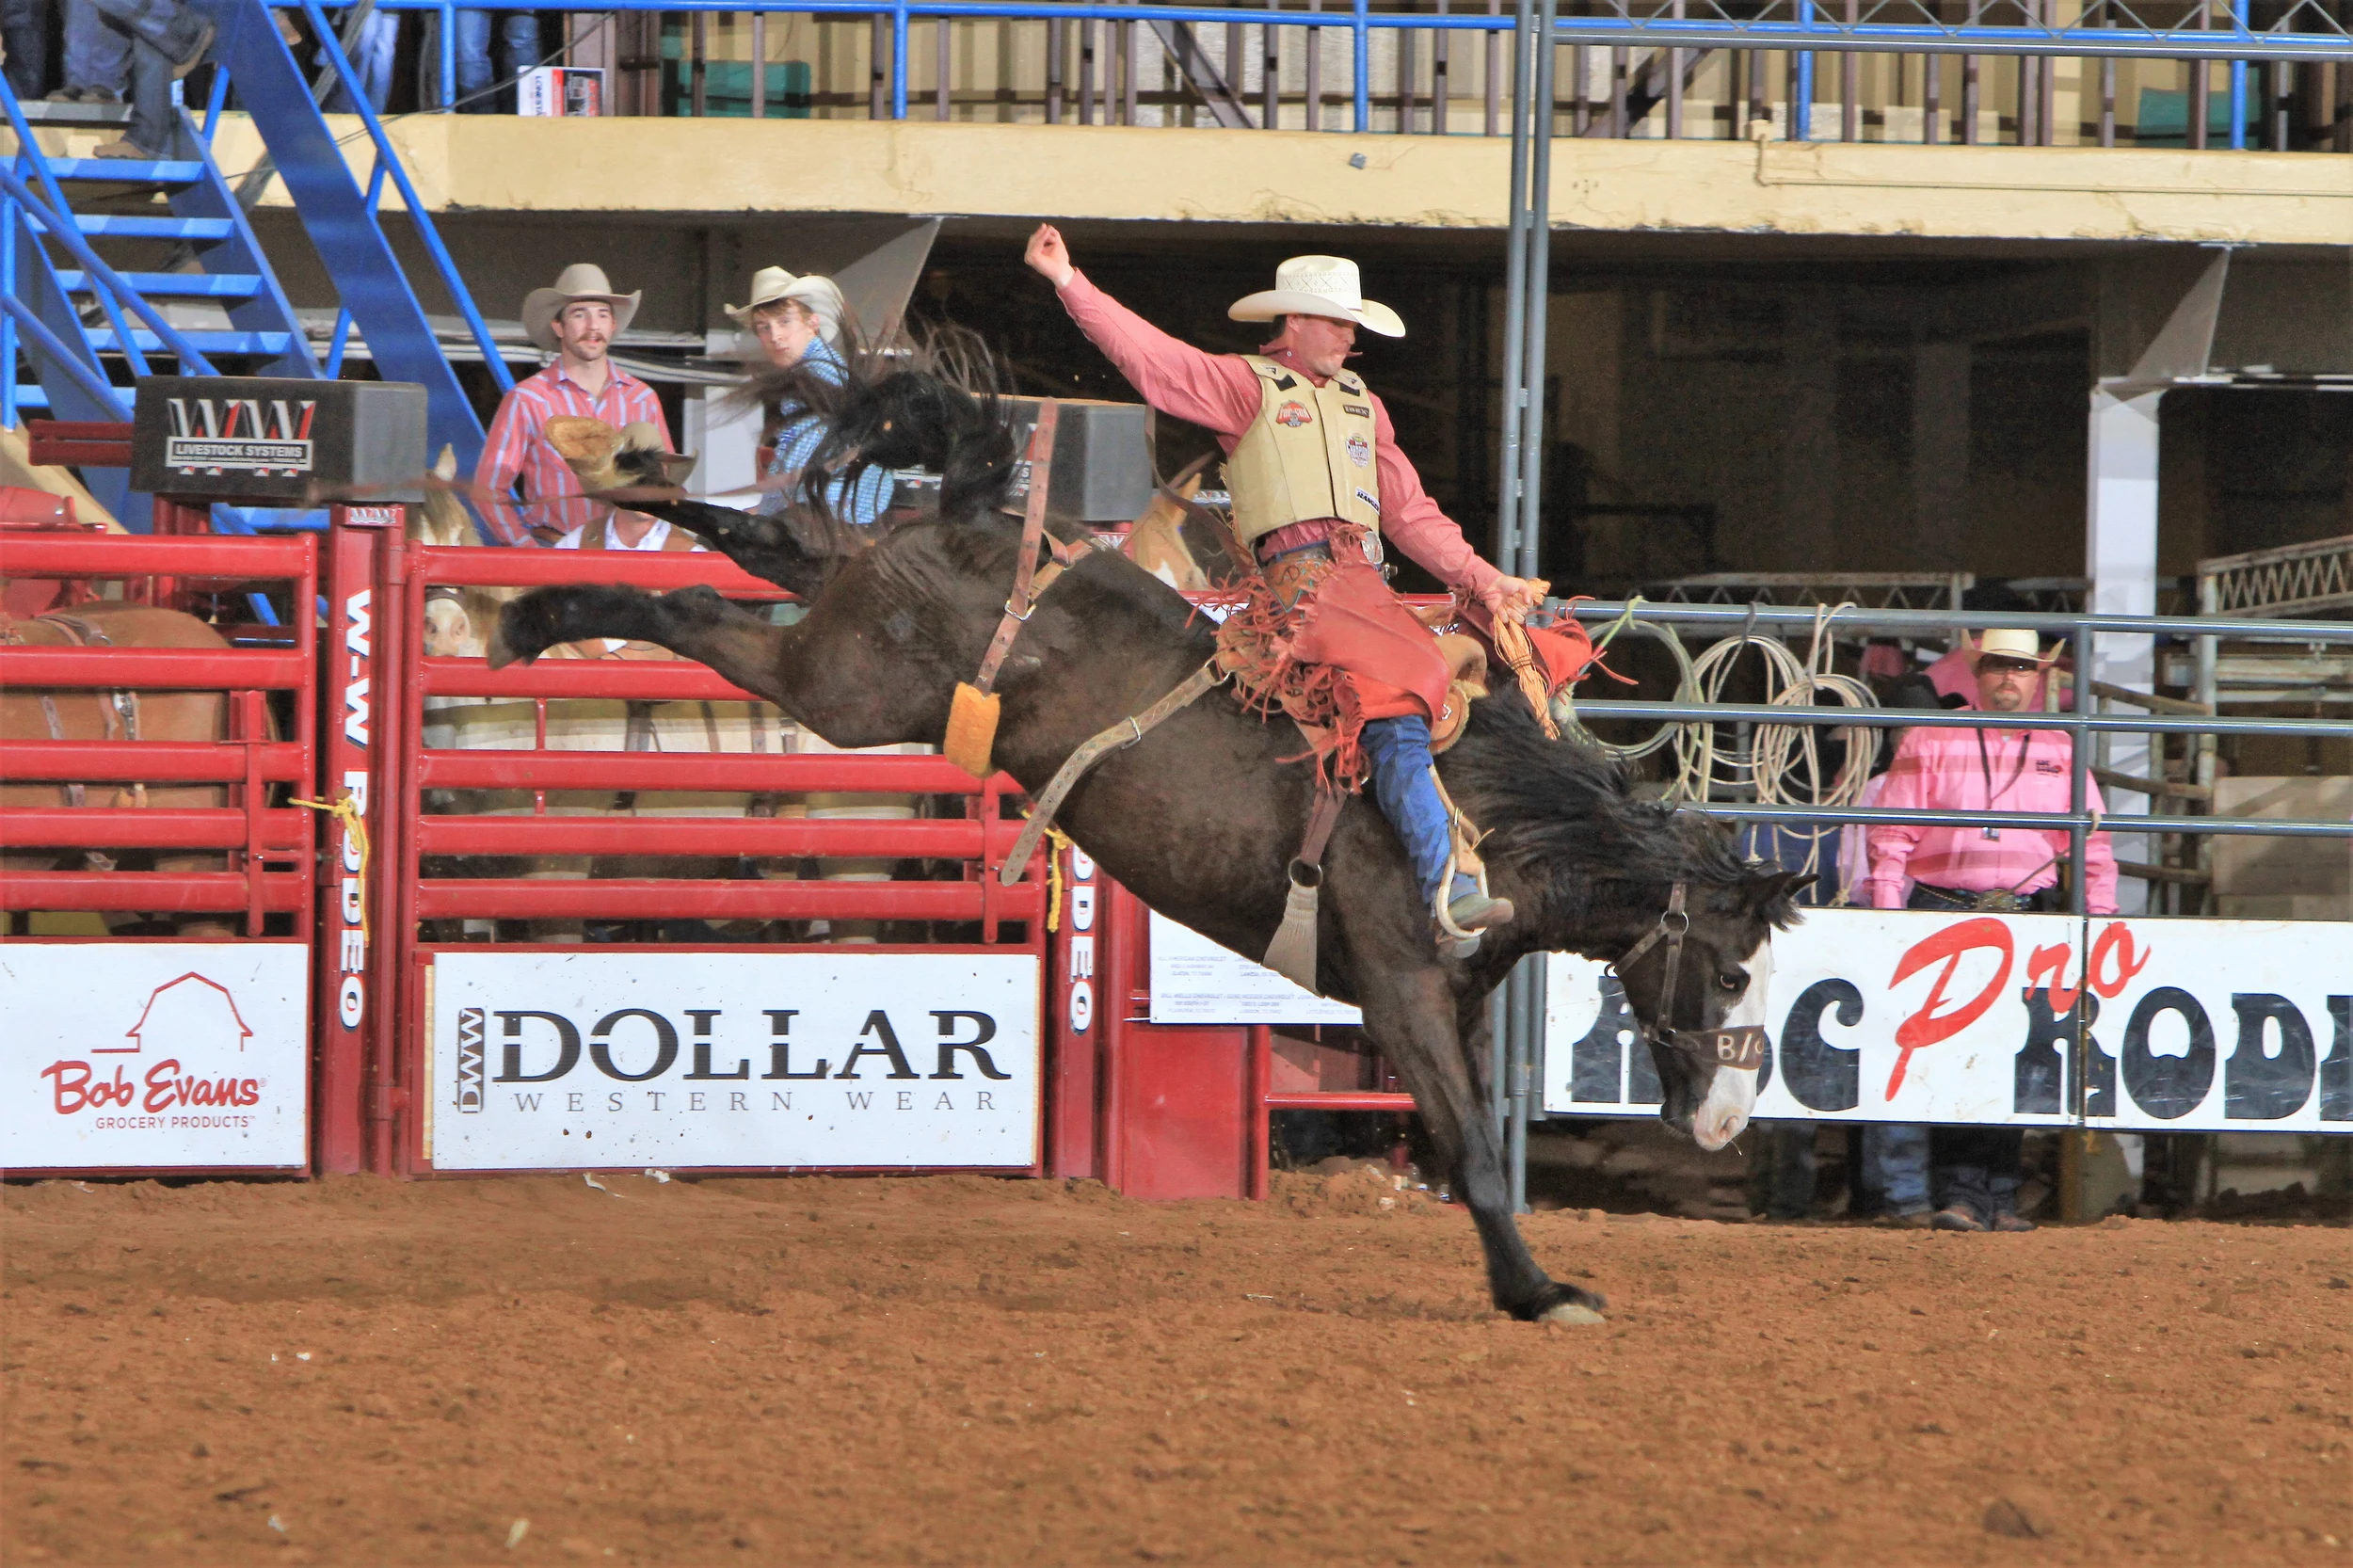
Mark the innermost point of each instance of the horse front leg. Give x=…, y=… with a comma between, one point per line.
x=1410, y=1013
x=693, y=623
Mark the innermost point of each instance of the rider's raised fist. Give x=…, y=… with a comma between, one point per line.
x=1049, y=256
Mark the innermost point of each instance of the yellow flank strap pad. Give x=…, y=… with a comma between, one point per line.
x=972, y=737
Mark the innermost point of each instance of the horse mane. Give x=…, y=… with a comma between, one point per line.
x=937, y=405
x=1563, y=815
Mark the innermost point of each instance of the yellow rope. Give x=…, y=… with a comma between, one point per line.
x=1056, y=842
x=346, y=812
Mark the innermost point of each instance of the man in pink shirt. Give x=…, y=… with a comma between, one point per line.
x=1971, y=1173
x=577, y=320
x=1319, y=486
x=1979, y=770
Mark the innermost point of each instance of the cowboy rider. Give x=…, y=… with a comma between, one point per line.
x=1317, y=483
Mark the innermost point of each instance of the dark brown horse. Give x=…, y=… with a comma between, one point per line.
x=1202, y=817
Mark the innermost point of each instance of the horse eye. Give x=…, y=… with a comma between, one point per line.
x=1732, y=981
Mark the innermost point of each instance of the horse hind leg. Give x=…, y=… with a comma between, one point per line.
x=693, y=623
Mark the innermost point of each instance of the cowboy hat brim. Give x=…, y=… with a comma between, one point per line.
x=814, y=292
x=1267, y=304
x=542, y=306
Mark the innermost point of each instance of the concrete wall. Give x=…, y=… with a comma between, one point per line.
x=709, y=167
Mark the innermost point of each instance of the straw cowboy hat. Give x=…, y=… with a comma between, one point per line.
x=579, y=281
x=2017, y=646
x=822, y=295
x=1319, y=286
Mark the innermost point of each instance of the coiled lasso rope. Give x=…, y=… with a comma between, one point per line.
x=1782, y=764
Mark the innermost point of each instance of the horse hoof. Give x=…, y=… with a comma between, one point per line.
x=1572, y=1312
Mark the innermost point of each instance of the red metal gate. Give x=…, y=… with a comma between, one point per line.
x=428, y=836
x=263, y=842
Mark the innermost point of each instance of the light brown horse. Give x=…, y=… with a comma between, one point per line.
x=79, y=714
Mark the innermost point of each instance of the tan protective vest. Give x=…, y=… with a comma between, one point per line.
x=1309, y=454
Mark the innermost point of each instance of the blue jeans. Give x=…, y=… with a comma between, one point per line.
x=1896, y=1167
x=24, y=29
x=1976, y=1169
x=519, y=50
x=157, y=33
x=97, y=50
x=1399, y=751
x=370, y=55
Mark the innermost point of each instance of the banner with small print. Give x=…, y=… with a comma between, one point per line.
x=1898, y=1016
x=689, y=1060
x=1197, y=981
x=154, y=1055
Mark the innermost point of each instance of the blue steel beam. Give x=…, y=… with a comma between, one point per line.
x=2235, y=42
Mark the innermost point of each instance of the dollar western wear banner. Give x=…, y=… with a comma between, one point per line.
x=582, y=1059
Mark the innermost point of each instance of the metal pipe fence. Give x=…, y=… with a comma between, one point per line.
x=2078, y=632
x=1403, y=75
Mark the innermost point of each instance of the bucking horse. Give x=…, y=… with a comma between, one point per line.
x=1201, y=817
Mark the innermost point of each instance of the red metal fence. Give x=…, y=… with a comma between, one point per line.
x=66, y=791
x=435, y=851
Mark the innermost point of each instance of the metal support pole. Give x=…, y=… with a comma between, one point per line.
x=899, y=60
x=1515, y=284
x=1529, y=530
x=2238, y=84
x=1361, y=34
x=759, y=65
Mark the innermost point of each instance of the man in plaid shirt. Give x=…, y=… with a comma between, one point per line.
x=577, y=321
x=1972, y=1173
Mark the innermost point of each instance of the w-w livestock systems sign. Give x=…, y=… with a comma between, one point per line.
x=2025, y=1021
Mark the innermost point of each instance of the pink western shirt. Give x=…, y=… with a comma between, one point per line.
x=1220, y=392
x=1942, y=770
x=516, y=446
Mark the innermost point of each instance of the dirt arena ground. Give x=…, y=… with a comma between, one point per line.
x=959, y=1369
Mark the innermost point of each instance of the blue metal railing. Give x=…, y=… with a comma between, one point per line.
x=2302, y=31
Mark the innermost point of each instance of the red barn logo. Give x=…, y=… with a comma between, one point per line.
x=191, y=1019
x=1293, y=415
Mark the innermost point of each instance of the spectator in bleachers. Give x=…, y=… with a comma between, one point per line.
x=801, y=322
x=1973, y=1171
x=97, y=57
x=166, y=41
x=577, y=320
x=372, y=54
x=24, y=38
x=519, y=50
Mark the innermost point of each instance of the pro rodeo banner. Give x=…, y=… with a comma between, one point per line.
x=1907, y=1017
x=588, y=1059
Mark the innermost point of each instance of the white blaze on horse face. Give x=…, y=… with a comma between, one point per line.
x=1732, y=1091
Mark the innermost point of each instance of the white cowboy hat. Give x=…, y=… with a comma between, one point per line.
x=579, y=281
x=821, y=295
x=1319, y=286
x=2025, y=647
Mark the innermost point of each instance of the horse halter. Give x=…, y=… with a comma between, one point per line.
x=1742, y=1048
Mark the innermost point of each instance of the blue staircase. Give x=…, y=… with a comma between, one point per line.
x=86, y=328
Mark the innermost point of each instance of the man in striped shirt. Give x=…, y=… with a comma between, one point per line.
x=1971, y=1173
x=577, y=321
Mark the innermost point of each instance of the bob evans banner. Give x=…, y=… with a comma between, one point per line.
x=1897, y=1015
x=154, y=1055
x=571, y=1060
